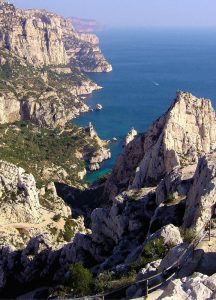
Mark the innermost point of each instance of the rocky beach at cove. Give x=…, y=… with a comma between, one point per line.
x=135, y=223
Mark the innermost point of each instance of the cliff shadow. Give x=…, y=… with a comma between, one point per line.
x=82, y=202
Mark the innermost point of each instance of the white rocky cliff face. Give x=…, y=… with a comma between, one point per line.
x=19, y=197
x=43, y=38
x=178, y=138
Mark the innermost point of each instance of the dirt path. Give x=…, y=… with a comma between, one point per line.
x=47, y=217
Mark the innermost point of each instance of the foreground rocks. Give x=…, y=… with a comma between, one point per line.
x=198, y=286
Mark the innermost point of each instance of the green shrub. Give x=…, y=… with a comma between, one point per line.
x=188, y=234
x=56, y=218
x=103, y=282
x=132, y=198
x=153, y=251
x=169, y=199
x=80, y=280
x=106, y=281
x=69, y=230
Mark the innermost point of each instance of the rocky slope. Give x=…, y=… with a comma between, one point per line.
x=43, y=96
x=144, y=229
x=178, y=138
x=27, y=211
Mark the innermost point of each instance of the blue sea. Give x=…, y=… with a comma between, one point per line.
x=149, y=66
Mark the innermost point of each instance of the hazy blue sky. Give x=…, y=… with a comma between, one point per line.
x=133, y=12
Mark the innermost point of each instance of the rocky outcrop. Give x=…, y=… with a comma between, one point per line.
x=34, y=39
x=130, y=136
x=170, y=234
x=178, y=138
x=175, y=185
x=98, y=157
x=98, y=107
x=34, y=35
x=124, y=170
x=90, y=130
x=201, y=202
x=9, y=108
x=19, y=198
x=198, y=286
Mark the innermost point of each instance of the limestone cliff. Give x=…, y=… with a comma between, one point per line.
x=178, y=138
x=44, y=38
x=45, y=97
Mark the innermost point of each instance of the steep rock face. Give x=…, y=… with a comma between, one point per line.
x=200, y=204
x=33, y=35
x=178, y=138
x=19, y=199
x=44, y=38
x=84, y=53
x=47, y=113
x=175, y=185
x=125, y=167
x=188, y=130
x=9, y=108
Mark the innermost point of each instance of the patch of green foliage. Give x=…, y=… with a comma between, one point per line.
x=169, y=199
x=57, y=217
x=25, y=81
x=107, y=281
x=188, y=234
x=131, y=198
x=35, y=148
x=153, y=251
x=69, y=230
x=80, y=280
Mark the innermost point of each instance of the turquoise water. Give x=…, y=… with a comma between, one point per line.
x=149, y=66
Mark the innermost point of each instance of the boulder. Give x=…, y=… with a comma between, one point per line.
x=198, y=286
